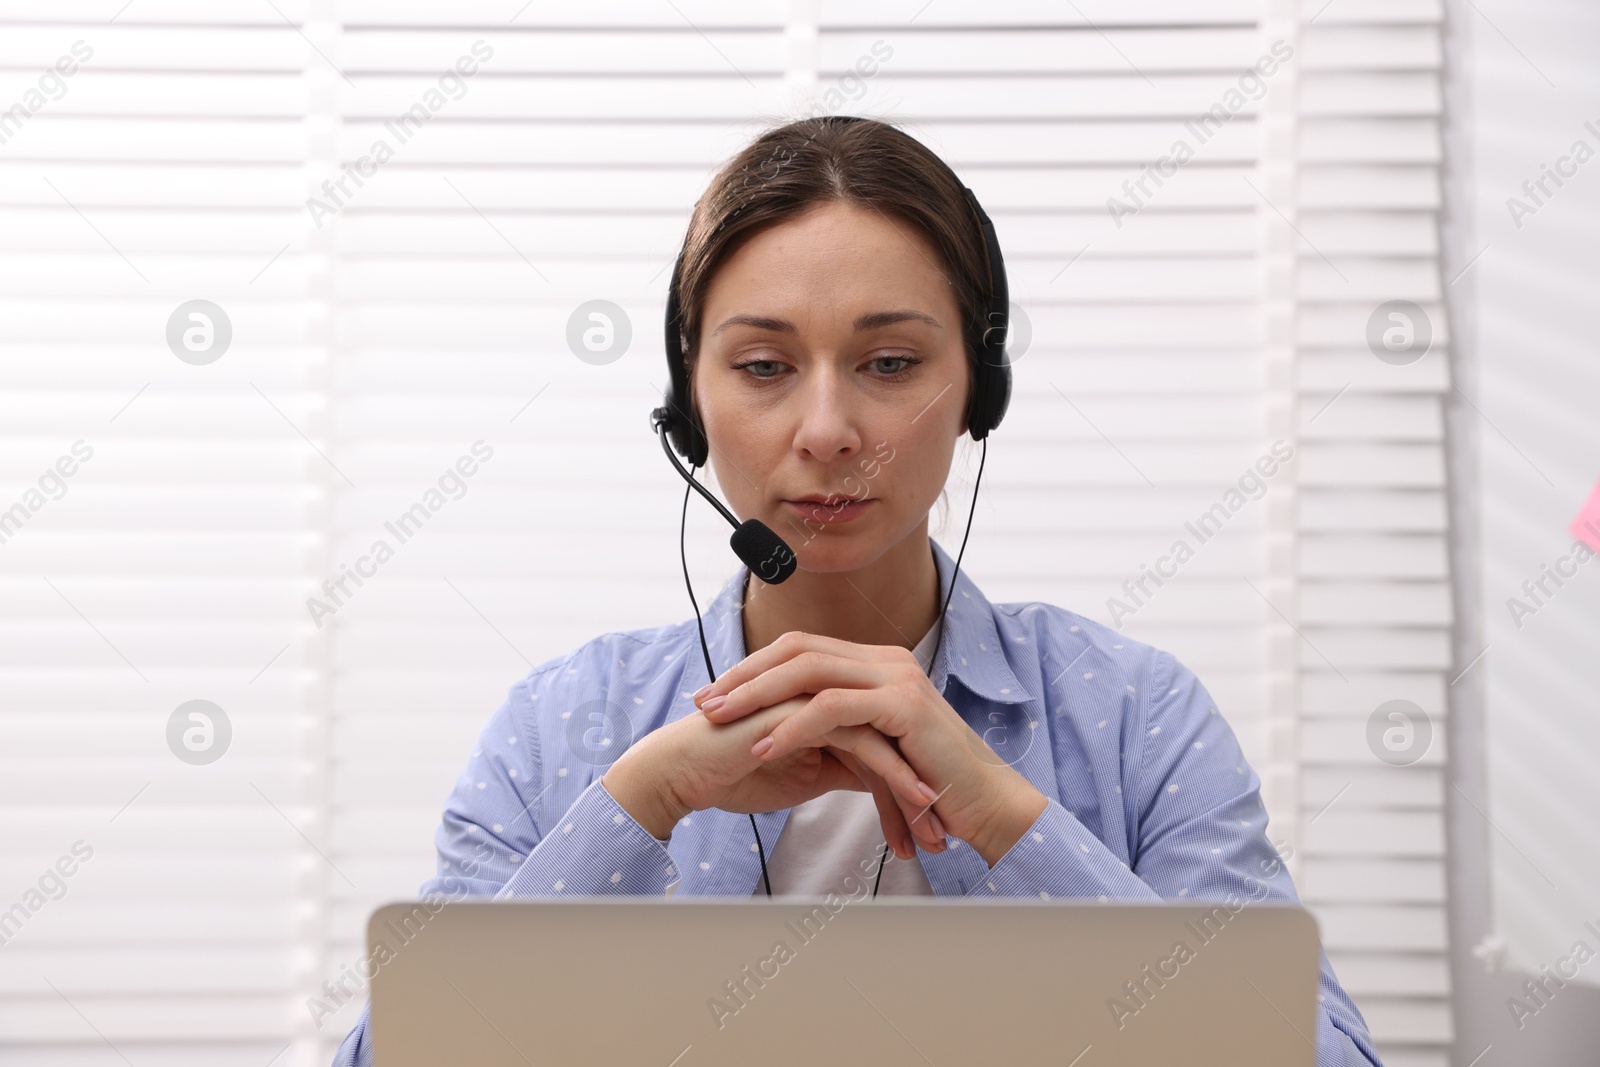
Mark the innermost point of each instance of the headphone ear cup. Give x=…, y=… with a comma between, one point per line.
x=977, y=403
x=992, y=391
x=683, y=429
x=699, y=448
x=999, y=397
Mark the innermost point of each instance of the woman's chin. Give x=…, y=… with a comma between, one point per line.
x=838, y=551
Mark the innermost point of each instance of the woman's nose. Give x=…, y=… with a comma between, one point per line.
x=827, y=418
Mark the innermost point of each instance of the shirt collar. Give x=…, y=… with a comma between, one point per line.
x=971, y=650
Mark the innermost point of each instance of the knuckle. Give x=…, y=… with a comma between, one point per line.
x=825, y=702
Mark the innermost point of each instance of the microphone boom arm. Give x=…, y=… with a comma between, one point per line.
x=658, y=419
x=767, y=555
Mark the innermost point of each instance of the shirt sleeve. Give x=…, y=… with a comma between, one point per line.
x=494, y=842
x=502, y=837
x=1201, y=836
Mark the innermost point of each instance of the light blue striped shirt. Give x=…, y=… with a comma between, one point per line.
x=1150, y=796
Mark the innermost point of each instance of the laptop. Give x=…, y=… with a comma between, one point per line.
x=927, y=980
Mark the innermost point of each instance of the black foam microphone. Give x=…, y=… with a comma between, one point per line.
x=767, y=555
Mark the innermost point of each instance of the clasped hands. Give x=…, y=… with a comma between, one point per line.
x=809, y=714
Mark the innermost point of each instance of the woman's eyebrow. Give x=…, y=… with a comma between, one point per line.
x=874, y=319
x=760, y=322
x=870, y=321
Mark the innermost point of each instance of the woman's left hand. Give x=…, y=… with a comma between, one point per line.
x=982, y=800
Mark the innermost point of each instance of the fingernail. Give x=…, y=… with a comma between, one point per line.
x=910, y=847
x=714, y=703
x=702, y=691
x=928, y=792
x=761, y=747
x=934, y=824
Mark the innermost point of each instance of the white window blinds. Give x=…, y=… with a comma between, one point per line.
x=415, y=319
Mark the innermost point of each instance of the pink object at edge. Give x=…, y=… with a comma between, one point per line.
x=1586, y=527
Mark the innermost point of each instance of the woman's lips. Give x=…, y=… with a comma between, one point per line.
x=844, y=510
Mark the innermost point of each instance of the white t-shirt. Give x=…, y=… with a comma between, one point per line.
x=827, y=839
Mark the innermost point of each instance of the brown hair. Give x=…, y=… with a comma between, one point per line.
x=791, y=168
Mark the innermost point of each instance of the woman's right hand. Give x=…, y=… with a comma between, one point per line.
x=693, y=764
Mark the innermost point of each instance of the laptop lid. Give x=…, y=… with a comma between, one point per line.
x=699, y=982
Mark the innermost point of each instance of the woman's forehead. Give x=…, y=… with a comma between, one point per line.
x=799, y=274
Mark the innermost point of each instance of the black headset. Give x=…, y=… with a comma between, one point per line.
x=985, y=408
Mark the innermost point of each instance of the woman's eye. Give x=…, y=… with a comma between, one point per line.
x=893, y=366
x=762, y=368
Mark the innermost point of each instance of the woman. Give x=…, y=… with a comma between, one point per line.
x=833, y=288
